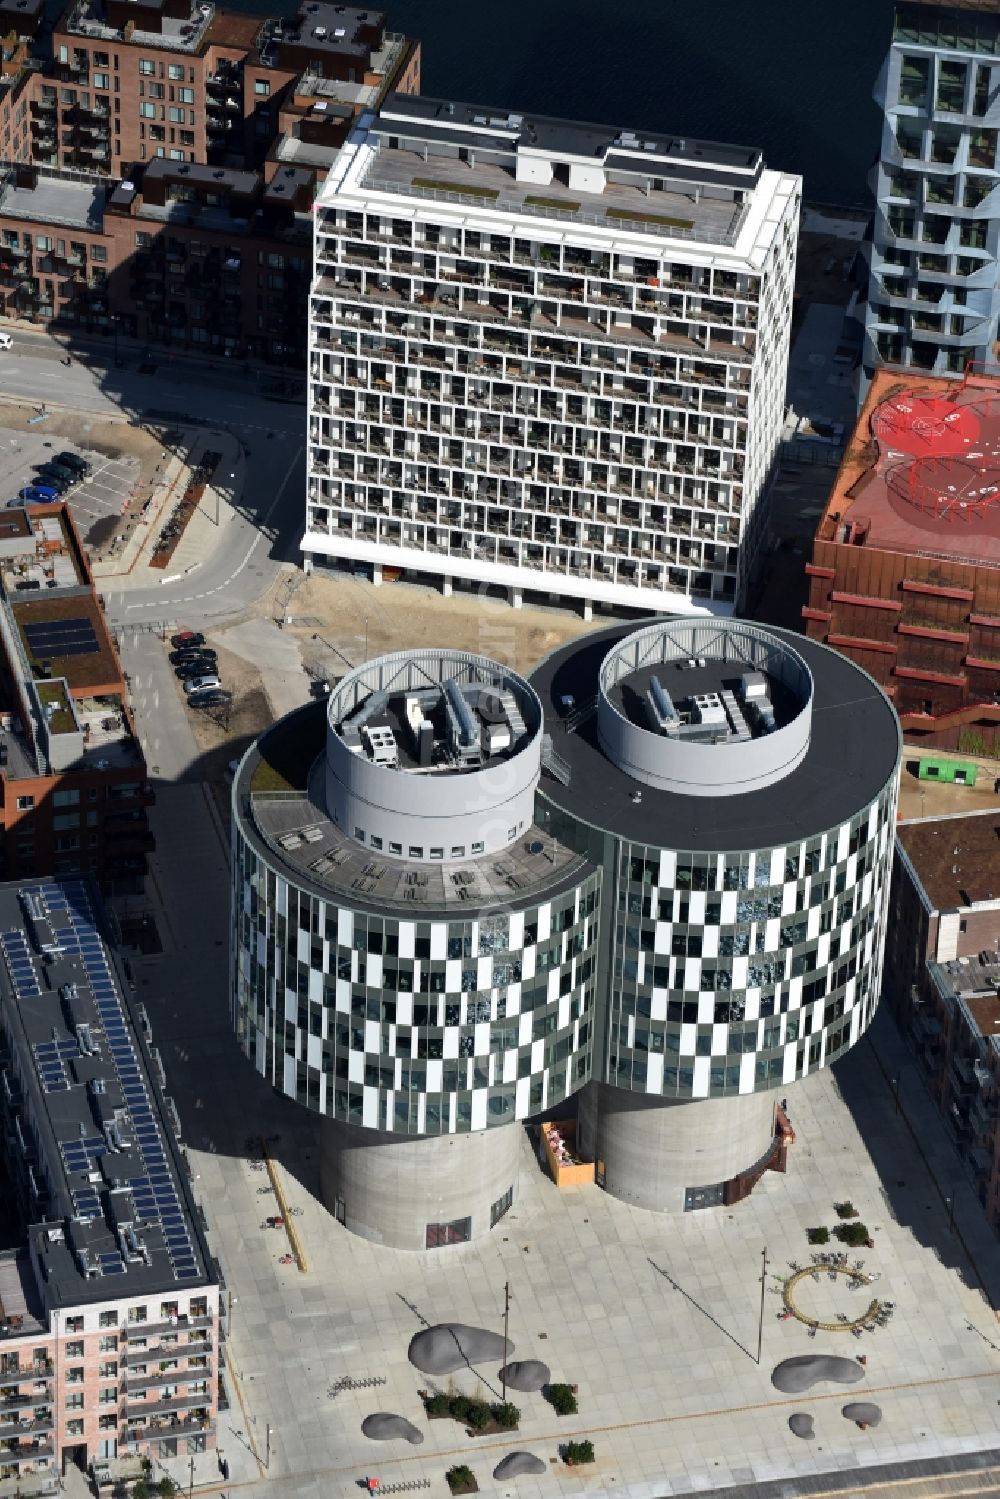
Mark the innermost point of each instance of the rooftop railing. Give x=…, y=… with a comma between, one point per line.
x=498, y=203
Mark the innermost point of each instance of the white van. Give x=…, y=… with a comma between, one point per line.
x=6, y=340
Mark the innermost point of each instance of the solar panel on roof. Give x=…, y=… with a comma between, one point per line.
x=60, y=637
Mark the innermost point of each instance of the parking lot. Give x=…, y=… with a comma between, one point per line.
x=96, y=503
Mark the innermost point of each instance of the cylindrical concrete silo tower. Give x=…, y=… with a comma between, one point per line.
x=414, y=958
x=738, y=786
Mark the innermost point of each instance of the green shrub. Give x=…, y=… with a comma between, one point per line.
x=579, y=1452
x=853, y=1234
x=478, y=1415
x=845, y=1209
x=166, y=1488
x=458, y=1406
x=140, y=1489
x=460, y=1477
x=818, y=1235
x=506, y=1416
x=562, y=1399
x=437, y=1405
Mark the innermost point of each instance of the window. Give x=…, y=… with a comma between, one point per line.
x=501, y=1207
x=416, y=851
x=458, y=851
x=108, y=1423
x=74, y=1375
x=25, y=803
x=395, y=848
x=176, y=115
x=175, y=70
x=74, y=1428
x=147, y=66
x=107, y=1345
x=109, y=1369
x=186, y=95
x=147, y=111
x=262, y=87
x=102, y=80
x=156, y=90
x=477, y=848
x=108, y=1396
x=74, y=1402
x=440, y=1234
x=74, y=1324
x=137, y=1314
x=951, y=87
x=914, y=79
x=74, y=1350
x=99, y=253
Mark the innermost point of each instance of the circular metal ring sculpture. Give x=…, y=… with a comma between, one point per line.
x=787, y=1296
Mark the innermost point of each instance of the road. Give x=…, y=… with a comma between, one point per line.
x=263, y=535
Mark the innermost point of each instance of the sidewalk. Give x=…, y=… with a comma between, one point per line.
x=129, y=567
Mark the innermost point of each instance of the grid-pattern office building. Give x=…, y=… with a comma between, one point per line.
x=653, y=875
x=548, y=356
x=933, y=300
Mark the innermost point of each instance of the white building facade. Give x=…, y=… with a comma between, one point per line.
x=547, y=356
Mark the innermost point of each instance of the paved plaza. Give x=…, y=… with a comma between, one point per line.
x=655, y=1320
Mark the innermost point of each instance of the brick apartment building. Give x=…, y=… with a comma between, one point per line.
x=110, y=1298
x=73, y=782
x=942, y=978
x=133, y=103
x=905, y=569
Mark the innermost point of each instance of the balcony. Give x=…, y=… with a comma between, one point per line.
x=141, y=1430
x=135, y=1330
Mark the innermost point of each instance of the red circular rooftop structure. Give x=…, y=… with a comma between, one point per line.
x=924, y=426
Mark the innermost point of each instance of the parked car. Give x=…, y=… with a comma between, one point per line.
x=198, y=684
x=54, y=481
x=191, y=653
x=57, y=471
x=14, y=504
x=73, y=461
x=186, y=638
x=188, y=670
x=210, y=697
x=40, y=494
x=6, y=341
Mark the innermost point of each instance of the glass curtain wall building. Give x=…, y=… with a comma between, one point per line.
x=933, y=300
x=653, y=875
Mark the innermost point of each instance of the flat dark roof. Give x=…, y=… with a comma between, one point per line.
x=854, y=749
x=955, y=858
x=576, y=137
x=90, y=1106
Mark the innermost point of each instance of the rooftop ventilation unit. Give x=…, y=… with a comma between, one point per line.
x=464, y=734
x=661, y=709
x=381, y=744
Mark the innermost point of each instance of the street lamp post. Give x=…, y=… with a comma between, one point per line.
x=267, y=1450
x=763, y=1287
